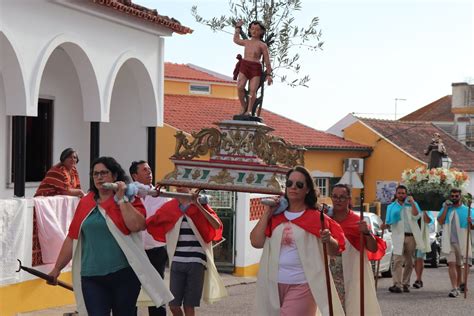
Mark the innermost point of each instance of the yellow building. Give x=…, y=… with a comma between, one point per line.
x=398, y=145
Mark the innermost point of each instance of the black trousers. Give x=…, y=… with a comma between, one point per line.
x=158, y=257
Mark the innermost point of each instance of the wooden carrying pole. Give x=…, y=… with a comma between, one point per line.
x=361, y=257
x=466, y=265
x=44, y=276
x=326, y=268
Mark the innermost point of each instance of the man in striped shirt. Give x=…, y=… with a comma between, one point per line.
x=189, y=227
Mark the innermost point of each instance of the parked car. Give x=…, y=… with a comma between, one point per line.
x=386, y=262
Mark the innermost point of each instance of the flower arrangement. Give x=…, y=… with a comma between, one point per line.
x=430, y=187
x=436, y=180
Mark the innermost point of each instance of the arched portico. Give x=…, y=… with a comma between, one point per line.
x=146, y=99
x=86, y=74
x=132, y=115
x=11, y=70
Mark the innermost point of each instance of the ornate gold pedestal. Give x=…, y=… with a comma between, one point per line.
x=243, y=157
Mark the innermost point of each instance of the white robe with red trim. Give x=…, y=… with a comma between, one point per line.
x=310, y=251
x=350, y=268
x=132, y=247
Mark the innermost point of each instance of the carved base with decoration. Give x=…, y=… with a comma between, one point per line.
x=243, y=158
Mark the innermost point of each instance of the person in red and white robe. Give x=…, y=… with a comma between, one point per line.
x=348, y=278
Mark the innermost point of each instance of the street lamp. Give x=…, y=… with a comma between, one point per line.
x=396, y=101
x=446, y=162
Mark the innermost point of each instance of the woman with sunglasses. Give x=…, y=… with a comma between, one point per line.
x=291, y=278
x=109, y=261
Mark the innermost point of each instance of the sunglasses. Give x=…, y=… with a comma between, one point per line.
x=298, y=184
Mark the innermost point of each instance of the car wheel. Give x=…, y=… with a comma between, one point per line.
x=388, y=273
x=435, y=259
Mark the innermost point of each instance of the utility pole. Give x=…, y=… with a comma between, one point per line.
x=396, y=101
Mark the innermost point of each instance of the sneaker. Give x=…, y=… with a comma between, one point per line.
x=395, y=289
x=418, y=284
x=406, y=289
x=461, y=287
x=453, y=293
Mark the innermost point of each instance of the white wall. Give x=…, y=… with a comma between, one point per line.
x=87, y=77
x=246, y=254
x=107, y=37
x=4, y=148
x=124, y=138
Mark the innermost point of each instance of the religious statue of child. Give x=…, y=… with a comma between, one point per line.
x=437, y=151
x=249, y=68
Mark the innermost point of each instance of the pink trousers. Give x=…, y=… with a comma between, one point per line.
x=296, y=299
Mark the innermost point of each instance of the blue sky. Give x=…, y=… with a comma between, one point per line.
x=374, y=52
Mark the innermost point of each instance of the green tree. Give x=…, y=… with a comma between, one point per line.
x=284, y=38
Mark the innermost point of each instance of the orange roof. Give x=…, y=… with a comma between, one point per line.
x=150, y=15
x=193, y=113
x=437, y=111
x=414, y=137
x=186, y=72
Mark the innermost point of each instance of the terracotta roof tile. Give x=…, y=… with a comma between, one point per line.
x=192, y=113
x=437, y=111
x=185, y=72
x=132, y=9
x=413, y=138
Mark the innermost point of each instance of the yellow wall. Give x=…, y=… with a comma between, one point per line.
x=34, y=295
x=217, y=90
x=386, y=162
x=165, y=146
x=331, y=161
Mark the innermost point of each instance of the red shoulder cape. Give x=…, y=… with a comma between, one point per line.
x=168, y=214
x=310, y=222
x=87, y=203
x=350, y=226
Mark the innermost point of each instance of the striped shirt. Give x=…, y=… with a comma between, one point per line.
x=188, y=248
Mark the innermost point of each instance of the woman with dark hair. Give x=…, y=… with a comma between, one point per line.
x=291, y=277
x=109, y=261
x=62, y=178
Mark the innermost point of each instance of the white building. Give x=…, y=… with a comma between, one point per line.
x=89, y=72
x=84, y=74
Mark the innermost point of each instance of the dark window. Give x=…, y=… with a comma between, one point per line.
x=200, y=89
x=39, y=138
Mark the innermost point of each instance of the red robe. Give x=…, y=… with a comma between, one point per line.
x=112, y=209
x=310, y=221
x=350, y=226
x=168, y=214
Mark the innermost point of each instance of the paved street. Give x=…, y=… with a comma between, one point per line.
x=432, y=299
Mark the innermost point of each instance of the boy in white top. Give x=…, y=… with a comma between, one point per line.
x=141, y=172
